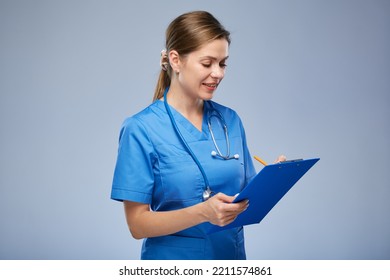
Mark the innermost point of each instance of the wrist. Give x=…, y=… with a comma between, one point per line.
x=200, y=212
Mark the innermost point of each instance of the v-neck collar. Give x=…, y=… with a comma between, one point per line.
x=183, y=122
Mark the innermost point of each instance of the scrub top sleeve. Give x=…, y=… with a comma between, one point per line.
x=133, y=175
x=250, y=170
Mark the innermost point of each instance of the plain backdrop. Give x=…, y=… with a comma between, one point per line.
x=309, y=78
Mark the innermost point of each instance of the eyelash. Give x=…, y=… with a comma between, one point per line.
x=223, y=65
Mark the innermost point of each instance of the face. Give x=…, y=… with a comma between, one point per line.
x=201, y=71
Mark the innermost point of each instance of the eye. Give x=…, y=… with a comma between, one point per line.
x=207, y=65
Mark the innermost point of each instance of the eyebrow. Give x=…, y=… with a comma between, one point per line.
x=212, y=57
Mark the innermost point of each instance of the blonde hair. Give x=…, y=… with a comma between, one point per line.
x=185, y=34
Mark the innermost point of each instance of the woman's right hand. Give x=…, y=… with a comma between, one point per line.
x=219, y=209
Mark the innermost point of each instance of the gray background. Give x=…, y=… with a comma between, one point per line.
x=308, y=78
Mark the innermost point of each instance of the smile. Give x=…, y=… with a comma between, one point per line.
x=213, y=85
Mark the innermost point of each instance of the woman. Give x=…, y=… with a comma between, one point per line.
x=174, y=174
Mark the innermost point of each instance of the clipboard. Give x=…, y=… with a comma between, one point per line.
x=266, y=189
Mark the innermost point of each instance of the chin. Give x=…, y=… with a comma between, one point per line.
x=207, y=95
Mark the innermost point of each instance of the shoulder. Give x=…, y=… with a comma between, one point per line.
x=141, y=122
x=143, y=117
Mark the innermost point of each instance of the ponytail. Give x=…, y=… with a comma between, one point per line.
x=163, y=82
x=164, y=79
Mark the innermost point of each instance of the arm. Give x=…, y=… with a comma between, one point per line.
x=143, y=222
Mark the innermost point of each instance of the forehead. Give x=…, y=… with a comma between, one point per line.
x=218, y=49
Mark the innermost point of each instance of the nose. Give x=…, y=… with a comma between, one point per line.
x=218, y=72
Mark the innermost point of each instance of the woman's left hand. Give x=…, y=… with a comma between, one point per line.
x=280, y=158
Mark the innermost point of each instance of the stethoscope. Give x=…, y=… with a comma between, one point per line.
x=211, y=113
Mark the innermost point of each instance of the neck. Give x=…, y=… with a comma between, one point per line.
x=190, y=108
x=185, y=104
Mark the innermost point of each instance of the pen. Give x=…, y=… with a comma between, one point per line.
x=260, y=160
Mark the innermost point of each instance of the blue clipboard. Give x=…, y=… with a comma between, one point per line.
x=266, y=189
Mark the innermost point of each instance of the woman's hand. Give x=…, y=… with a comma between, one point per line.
x=219, y=209
x=280, y=158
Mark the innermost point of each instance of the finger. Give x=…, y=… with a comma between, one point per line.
x=230, y=218
x=225, y=198
x=281, y=158
x=237, y=207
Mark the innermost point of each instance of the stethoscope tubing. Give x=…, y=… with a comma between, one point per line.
x=207, y=192
x=181, y=137
x=218, y=153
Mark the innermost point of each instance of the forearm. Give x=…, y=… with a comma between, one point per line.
x=158, y=223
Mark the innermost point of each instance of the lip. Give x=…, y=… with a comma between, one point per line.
x=210, y=86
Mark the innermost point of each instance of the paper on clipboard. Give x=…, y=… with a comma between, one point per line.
x=266, y=189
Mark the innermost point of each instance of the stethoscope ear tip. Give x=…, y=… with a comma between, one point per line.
x=213, y=153
x=236, y=156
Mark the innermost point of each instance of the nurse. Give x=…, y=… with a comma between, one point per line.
x=178, y=169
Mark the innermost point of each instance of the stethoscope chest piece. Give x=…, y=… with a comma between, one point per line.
x=207, y=194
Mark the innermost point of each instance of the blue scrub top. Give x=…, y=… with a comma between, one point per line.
x=153, y=167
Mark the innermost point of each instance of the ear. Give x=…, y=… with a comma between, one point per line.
x=174, y=61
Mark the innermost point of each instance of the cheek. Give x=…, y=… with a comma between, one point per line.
x=203, y=73
x=196, y=75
